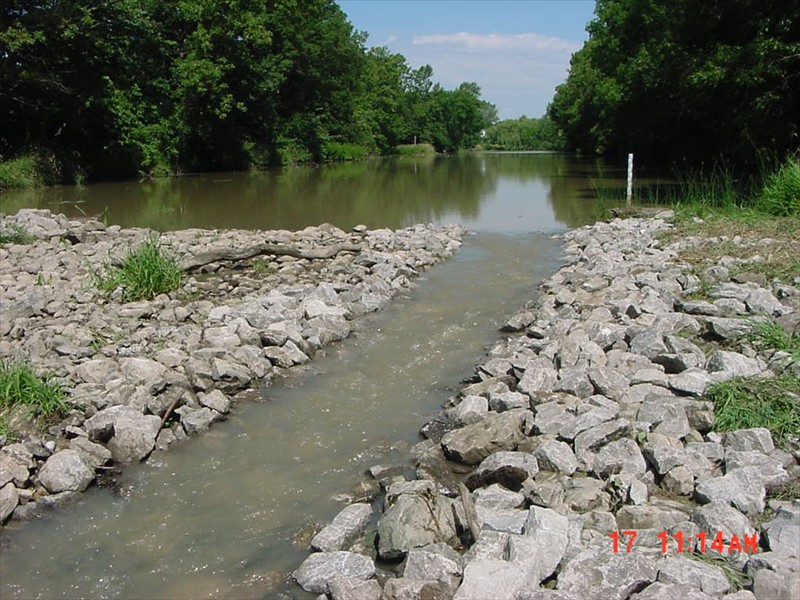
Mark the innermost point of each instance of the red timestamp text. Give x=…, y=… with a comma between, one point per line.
x=701, y=543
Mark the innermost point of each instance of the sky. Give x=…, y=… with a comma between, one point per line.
x=518, y=51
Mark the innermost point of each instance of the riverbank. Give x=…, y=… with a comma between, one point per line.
x=145, y=375
x=592, y=420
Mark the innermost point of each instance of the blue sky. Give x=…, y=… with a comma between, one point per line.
x=516, y=50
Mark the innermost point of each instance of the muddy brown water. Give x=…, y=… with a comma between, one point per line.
x=216, y=516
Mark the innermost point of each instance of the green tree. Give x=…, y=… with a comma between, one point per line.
x=679, y=79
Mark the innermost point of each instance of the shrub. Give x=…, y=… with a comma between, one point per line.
x=144, y=274
x=339, y=152
x=781, y=193
x=416, y=150
x=20, y=385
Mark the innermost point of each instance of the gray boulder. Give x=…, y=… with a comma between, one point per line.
x=733, y=364
x=507, y=468
x=196, y=420
x=473, y=443
x=130, y=435
x=599, y=436
x=432, y=566
x=553, y=455
x=66, y=471
x=12, y=470
x=741, y=488
x=414, y=521
x=598, y=574
x=670, y=591
x=491, y=578
x=694, y=574
x=349, y=588
x=321, y=568
x=757, y=439
x=619, y=456
x=721, y=517
x=345, y=528
x=496, y=496
x=9, y=498
x=471, y=410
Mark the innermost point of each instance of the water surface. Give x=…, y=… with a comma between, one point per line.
x=215, y=517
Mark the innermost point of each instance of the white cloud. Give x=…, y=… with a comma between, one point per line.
x=498, y=41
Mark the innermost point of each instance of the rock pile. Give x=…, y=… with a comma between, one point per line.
x=581, y=462
x=143, y=375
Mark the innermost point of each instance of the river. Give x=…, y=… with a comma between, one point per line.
x=217, y=515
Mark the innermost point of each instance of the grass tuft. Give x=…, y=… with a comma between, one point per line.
x=20, y=385
x=781, y=193
x=144, y=274
x=14, y=233
x=769, y=335
x=774, y=403
x=737, y=579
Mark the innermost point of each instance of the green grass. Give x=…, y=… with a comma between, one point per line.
x=144, y=274
x=769, y=335
x=341, y=152
x=15, y=233
x=20, y=385
x=22, y=172
x=416, y=150
x=773, y=403
x=781, y=193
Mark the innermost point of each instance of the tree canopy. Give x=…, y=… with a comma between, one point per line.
x=685, y=80
x=127, y=86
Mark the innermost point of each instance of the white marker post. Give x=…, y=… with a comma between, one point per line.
x=630, y=180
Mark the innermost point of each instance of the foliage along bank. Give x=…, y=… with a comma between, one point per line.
x=685, y=81
x=113, y=88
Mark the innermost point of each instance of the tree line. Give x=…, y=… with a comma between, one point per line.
x=120, y=87
x=686, y=80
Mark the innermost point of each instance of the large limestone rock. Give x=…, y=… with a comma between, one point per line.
x=321, y=568
x=598, y=574
x=473, y=443
x=66, y=471
x=491, y=578
x=345, y=528
x=130, y=435
x=414, y=521
x=509, y=469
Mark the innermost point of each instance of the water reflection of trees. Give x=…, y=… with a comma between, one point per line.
x=378, y=193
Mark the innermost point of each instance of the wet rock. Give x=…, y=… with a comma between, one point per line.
x=12, y=471
x=412, y=589
x=9, y=498
x=425, y=565
x=196, y=420
x=473, y=443
x=345, y=528
x=94, y=454
x=414, y=521
x=471, y=409
x=509, y=469
x=66, y=471
x=215, y=400
x=321, y=568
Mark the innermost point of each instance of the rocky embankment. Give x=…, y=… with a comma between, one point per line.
x=145, y=375
x=590, y=423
